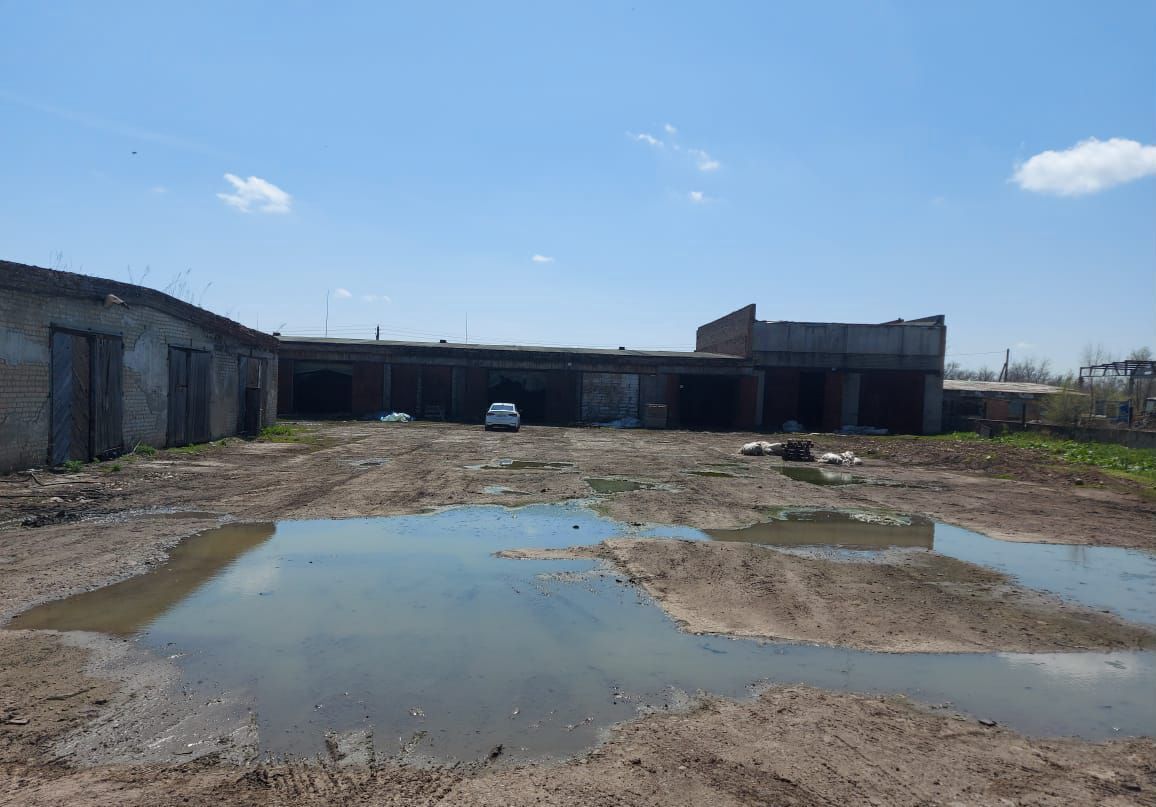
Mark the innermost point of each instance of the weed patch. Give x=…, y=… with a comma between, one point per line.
x=1137, y=463
x=284, y=433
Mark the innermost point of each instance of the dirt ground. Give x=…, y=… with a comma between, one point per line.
x=924, y=603
x=792, y=746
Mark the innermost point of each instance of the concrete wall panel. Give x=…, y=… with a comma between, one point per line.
x=609, y=396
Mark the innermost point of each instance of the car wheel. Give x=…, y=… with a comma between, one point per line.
x=516, y=428
x=489, y=427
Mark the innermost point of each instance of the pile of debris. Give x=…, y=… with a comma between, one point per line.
x=798, y=451
x=846, y=458
x=761, y=448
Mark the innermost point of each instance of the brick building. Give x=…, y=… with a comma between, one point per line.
x=320, y=376
x=825, y=375
x=91, y=368
x=744, y=374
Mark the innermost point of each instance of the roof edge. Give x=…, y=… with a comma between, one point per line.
x=41, y=280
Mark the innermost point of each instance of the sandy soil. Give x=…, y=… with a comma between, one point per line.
x=792, y=747
x=906, y=603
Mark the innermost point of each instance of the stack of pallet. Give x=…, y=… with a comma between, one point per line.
x=798, y=451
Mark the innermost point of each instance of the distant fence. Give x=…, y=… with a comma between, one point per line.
x=1132, y=438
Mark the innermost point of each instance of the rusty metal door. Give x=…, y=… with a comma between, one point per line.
x=189, y=393
x=200, y=372
x=86, y=396
x=250, y=397
x=80, y=405
x=62, y=393
x=106, y=364
x=178, y=396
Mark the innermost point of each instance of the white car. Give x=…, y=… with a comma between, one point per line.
x=503, y=416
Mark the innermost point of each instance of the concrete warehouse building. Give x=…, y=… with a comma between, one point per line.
x=744, y=374
x=89, y=368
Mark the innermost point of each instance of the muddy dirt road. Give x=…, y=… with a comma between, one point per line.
x=791, y=746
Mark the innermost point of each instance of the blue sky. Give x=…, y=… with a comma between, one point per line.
x=673, y=161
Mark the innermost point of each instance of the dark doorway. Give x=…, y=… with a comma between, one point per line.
x=437, y=385
x=707, y=401
x=526, y=389
x=892, y=399
x=250, y=395
x=323, y=388
x=190, y=374
x=812, y=393
x=87, y=396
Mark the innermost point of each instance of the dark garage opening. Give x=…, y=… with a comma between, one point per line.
x=526, y=389
x=322, y=388
x=812, y=394
x=707, y=401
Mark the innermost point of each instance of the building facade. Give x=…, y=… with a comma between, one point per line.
x=826, y=375
x=91, y=368
x=550, y=385
x=744, y=374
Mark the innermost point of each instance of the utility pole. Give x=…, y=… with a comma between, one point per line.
x=377, y=335
x=1006, y=361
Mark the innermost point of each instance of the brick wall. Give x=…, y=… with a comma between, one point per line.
x=609, y=396
x=26, y=322
x=730, y=335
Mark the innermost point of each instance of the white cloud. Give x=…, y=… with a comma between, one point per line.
x=159, y=189
x=542, y=259
x=698, y=197
x=1089, y=166
x=643, y=137
x=377, y=298
x=669, y=129
x=705, y=161
x=255, y=193
x=342, y=294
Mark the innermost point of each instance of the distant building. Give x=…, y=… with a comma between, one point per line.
x=744, y=374
x=967, y=401
x=825, y=375
x=89, y=368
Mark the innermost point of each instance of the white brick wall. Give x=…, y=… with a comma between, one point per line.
x=26, y=321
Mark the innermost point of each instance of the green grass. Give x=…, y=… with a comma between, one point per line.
x=1135, y=463
x=285, y=433
x=72, y=466
x=144, y=450
x=192, y=448
x=953, y=437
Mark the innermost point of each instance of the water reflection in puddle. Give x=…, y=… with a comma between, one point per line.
x=829, y=476
x=609, y=485
x=409, y=624
x=833, y=528
x=521, y=465
x=1121, y=580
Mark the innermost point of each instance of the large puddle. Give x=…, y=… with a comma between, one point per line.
x=825, y=528
x=1119, y=580
x=410, y=627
